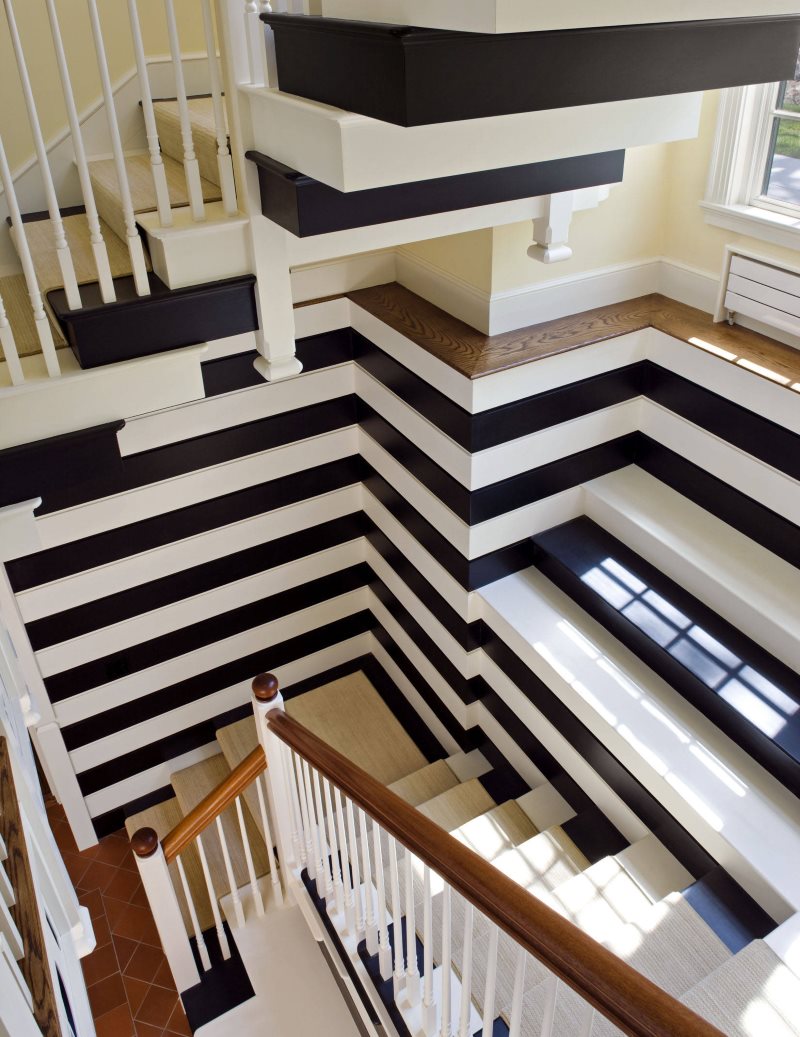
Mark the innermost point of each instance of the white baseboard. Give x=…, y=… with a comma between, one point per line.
x=451, y=293
x=337, y=276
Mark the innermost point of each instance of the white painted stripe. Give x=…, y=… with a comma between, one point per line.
x=166, y=724
x=317, y=318
x=300, y=670
x=138, y=629
x=759, y=481
x=192, y=664
x=231, y=409
x=71, y=591
x=122, y=509
x=230, y=346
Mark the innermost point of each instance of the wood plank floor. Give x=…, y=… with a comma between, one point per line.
x=476, y=355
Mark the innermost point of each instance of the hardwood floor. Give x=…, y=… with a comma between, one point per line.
x=475, y=355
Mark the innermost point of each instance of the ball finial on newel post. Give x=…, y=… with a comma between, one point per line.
x=266, y=687
x=144, y=843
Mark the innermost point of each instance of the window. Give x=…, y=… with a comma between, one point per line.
x=754, y=181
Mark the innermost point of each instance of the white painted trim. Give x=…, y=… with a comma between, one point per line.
x=445, y=290
x=18, y=532
x=337, y=276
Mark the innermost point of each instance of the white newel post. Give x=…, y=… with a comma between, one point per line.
x=266, y=698
x=157, y=882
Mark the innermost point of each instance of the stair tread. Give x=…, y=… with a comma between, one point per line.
x=191, y=785
x=204, y=136
x=162, y=818
x=377, y=742
x=237, y=741
x=751, y=994
x=458, y=805
x=498, y=830
x=425, y=783
x=601, y=899
x=543, y=862
x=17, y=304
x=143, y=192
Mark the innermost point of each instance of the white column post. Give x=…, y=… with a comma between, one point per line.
x=551, y=230
x=267, y=697
x=157, y=882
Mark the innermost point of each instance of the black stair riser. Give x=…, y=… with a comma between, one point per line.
x=136, y=326
x=554, y=558
x=306, y=207
x=415, y=77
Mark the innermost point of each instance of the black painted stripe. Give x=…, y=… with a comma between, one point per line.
x=126, y=765
x=198, y=635
x=125, y=541
x=156, y=594
x=697, y=652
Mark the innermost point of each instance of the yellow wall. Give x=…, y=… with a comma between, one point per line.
x=35, y=33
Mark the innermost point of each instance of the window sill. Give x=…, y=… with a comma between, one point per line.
x=754, y=223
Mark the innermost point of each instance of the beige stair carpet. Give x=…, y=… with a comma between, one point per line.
x=425, y=783
x=498, y=830
x=191, y=786
x=458, y=805
x=17, y=303
x=601, y=900
x=143, y=193
x=544, y=862
x=162, y=818
x=237, y=741
x=351, y=717
x=753, y=994
x=204, y=135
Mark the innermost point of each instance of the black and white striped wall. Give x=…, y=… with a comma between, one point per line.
x=358, y=510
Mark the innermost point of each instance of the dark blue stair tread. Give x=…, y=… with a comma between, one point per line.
x=728, y=910
x=225, y=986
x=753, y=696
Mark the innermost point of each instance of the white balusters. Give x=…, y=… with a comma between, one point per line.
x=307, y=841
x=399, y=957
x=515, y=1022
x=349, y=904
x=43, y=329
x=157, y=166
x=212, y=896
x=325, y=867
x=10, y=348
x=491, y=982
x=466, y=973
x=384, y=947
x=412, y=965
x=298, y=838
x=275, y=877
x=202, y=950
x=588, y=1022
x=355, y=868
x=428, y=1004
x=445, y=1028
x=226, y=857
x=99, y=250
x=333, y=842
x=224, y=162
x=370, y=926
x=191, y=166
x=59, y=235
x=135, y=248
x=248, y=856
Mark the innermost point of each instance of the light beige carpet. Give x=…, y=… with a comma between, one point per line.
x=458, y=805
x=425, y=783
x=17, y=303
x=204, y=135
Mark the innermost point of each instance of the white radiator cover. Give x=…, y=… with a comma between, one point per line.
x=761, y=289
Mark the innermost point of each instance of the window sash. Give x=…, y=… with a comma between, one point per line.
x=763, y=156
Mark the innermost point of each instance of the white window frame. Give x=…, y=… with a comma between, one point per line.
x=734, y=198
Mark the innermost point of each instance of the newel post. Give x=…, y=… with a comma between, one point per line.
x=157, y=882
x=266, y=698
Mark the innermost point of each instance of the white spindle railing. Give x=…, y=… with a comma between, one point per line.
x=428, y=1003
x=248, y=856
x=157, y=166
x=9, y=345
x=445, y=1028
x=275, y=877
x=191, y=166
x=63, y=253
x=99, y=249
x=43, y=329
x=384, y=947
x=202, y=950
x=355, y=868
x=412, y=965
x=399, y=973
x=135, y=248
x=491, y=981
x=466, y=974
x=336, y=846
x=212, y=897
x=224, y=161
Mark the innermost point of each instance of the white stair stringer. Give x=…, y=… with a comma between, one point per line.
x=745, y=583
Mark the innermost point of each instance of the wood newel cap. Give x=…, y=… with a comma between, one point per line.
x=144, y=842
x=266, y=687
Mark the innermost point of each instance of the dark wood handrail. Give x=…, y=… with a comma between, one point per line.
x=634, y=1004
x=209, y=809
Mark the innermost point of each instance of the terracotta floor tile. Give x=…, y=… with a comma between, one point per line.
x=107, y=994
x=140, y=897
x=124, y=949
x=96, y=876
x=146, y=1030
x=111, y=851
x=93, y=900
x=163, y=977
x=178, y=1023
x=123, y=885
x=114, y=910
x=145, y=963
x=137, y=924
x=102, y=932
x=136, y=991
x=116, y=1023
x=64, y=837
x=75, y=864
x=157, y=1007
x=101, y=963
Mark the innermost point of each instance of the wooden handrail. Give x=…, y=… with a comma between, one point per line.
x=634, y=1004
x=209, y=809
